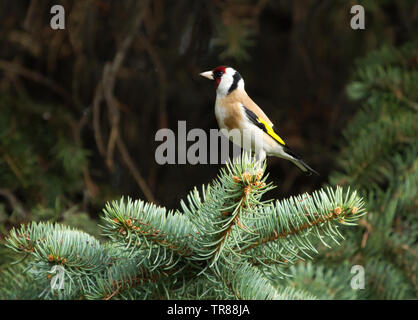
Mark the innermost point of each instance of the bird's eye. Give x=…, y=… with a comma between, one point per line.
x=217, y=74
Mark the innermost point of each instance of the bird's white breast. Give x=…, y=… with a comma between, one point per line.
x=220, y=114
x=252, y=137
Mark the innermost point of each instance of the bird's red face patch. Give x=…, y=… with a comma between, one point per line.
x=218, y=72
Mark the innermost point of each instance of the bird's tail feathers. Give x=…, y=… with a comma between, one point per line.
x=304, y=167
x=299, y=162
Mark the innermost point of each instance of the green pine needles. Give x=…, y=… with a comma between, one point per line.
x=225, y=243
x=380, y=160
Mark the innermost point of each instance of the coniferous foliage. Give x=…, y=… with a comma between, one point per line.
x=79, y=106
x=384, y=167
x=224, y=243
x=380, y=160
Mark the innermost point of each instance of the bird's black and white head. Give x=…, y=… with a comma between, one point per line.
x=227, y=79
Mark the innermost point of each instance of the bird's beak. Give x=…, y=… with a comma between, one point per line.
x=207, y=74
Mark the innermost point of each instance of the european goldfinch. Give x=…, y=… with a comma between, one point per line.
x=234, y=109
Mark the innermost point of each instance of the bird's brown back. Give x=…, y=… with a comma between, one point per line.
x=240, y=96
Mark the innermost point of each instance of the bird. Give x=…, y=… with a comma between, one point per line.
x=235, y=110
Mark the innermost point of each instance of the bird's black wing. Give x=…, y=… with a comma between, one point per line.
x=263, y=125
x=271, y=131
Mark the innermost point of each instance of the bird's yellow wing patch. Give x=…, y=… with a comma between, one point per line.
x=270, y=131
x=263, y=125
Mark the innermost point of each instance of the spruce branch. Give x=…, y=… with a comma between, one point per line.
x=323, y=281
x=380, y=161
x=59, y=244
x=225, y=243
x=247, y=282
x=296, y=215
x=142, y=225
x=237, y=190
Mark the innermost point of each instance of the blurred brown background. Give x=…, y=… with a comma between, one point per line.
x=80, y=107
